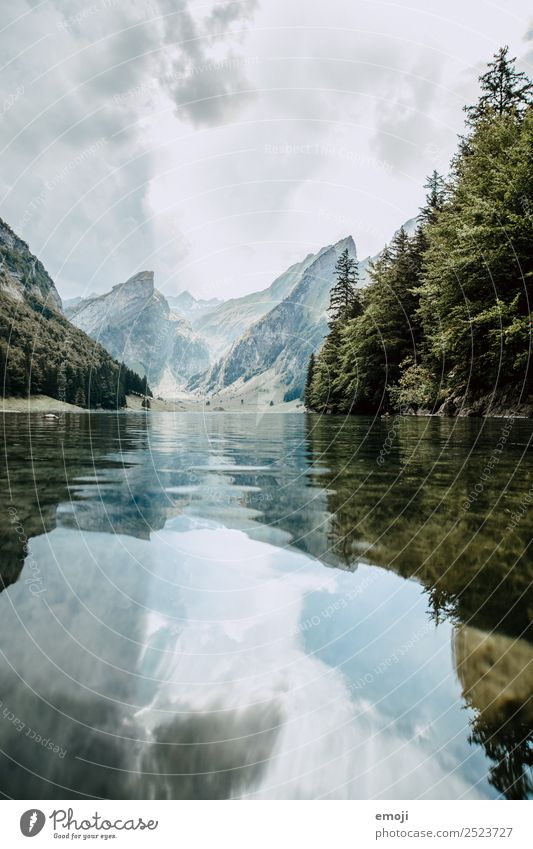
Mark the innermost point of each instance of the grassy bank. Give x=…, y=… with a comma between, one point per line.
x=45, y=404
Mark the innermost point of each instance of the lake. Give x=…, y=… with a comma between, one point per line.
x=266, y=606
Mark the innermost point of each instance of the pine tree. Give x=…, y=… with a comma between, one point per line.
x=435, y=196
x=324, y=392
x=375, y=344
x=344, y=299
x=478, y=284
x=309, y=382
x=62, y=381
x=504, y=90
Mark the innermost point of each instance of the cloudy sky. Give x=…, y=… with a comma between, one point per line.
x=218, y=142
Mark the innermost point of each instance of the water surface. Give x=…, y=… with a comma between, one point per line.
x=275, y=606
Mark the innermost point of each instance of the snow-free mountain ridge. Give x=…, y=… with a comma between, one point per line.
x=136, y=325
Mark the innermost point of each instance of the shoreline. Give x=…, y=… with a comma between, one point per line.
x=45, y=404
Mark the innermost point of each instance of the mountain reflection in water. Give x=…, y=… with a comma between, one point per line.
x=281, y=606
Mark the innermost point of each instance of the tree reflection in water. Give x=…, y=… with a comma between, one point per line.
x=407, y=513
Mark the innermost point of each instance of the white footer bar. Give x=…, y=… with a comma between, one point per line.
x=267, y=825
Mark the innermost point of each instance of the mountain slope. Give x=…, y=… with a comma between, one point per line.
x=274, y=351
x=225, y=323
x=41, y=352
x=22, y=275
x=135, y=324
x=70, y=305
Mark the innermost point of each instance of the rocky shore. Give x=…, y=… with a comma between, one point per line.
x=506, y=404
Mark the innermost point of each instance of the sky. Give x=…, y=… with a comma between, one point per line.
x=217, y=143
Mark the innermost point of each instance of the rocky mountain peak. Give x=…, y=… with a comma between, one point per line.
x=185, y=299
x=136, y=325
x=347, y=242
x=141, y=283
x=22, y=275
x=272, y=353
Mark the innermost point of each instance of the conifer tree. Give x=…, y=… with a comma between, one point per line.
x=344, y=299
x=435, y=196
x=447, y=311
x=478, y=279
x=62, y=381
x=504, y=90
x=375, y=344
x=325, y=394
x=309, y=382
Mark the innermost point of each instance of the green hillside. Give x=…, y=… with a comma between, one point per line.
x=41, y=352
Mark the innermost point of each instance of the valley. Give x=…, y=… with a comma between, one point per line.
x=248, y=352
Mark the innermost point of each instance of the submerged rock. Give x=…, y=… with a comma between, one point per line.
x=496, y=674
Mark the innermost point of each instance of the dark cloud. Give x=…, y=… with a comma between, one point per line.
x=212, y=93
x=225, y=14
x=206, y=77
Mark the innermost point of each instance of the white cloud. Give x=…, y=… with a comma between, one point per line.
x=216, y=142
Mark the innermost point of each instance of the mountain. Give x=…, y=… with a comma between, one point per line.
x=190, y=307
x=135, y=324
x=22, y=275
x=272, y=354
x=72, y=304
x=41, y=352
x=409, y=226
x=262, y=342
x=225, y=323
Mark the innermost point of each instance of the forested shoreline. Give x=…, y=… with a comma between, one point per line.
x=41, y=351
x=445, y=322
